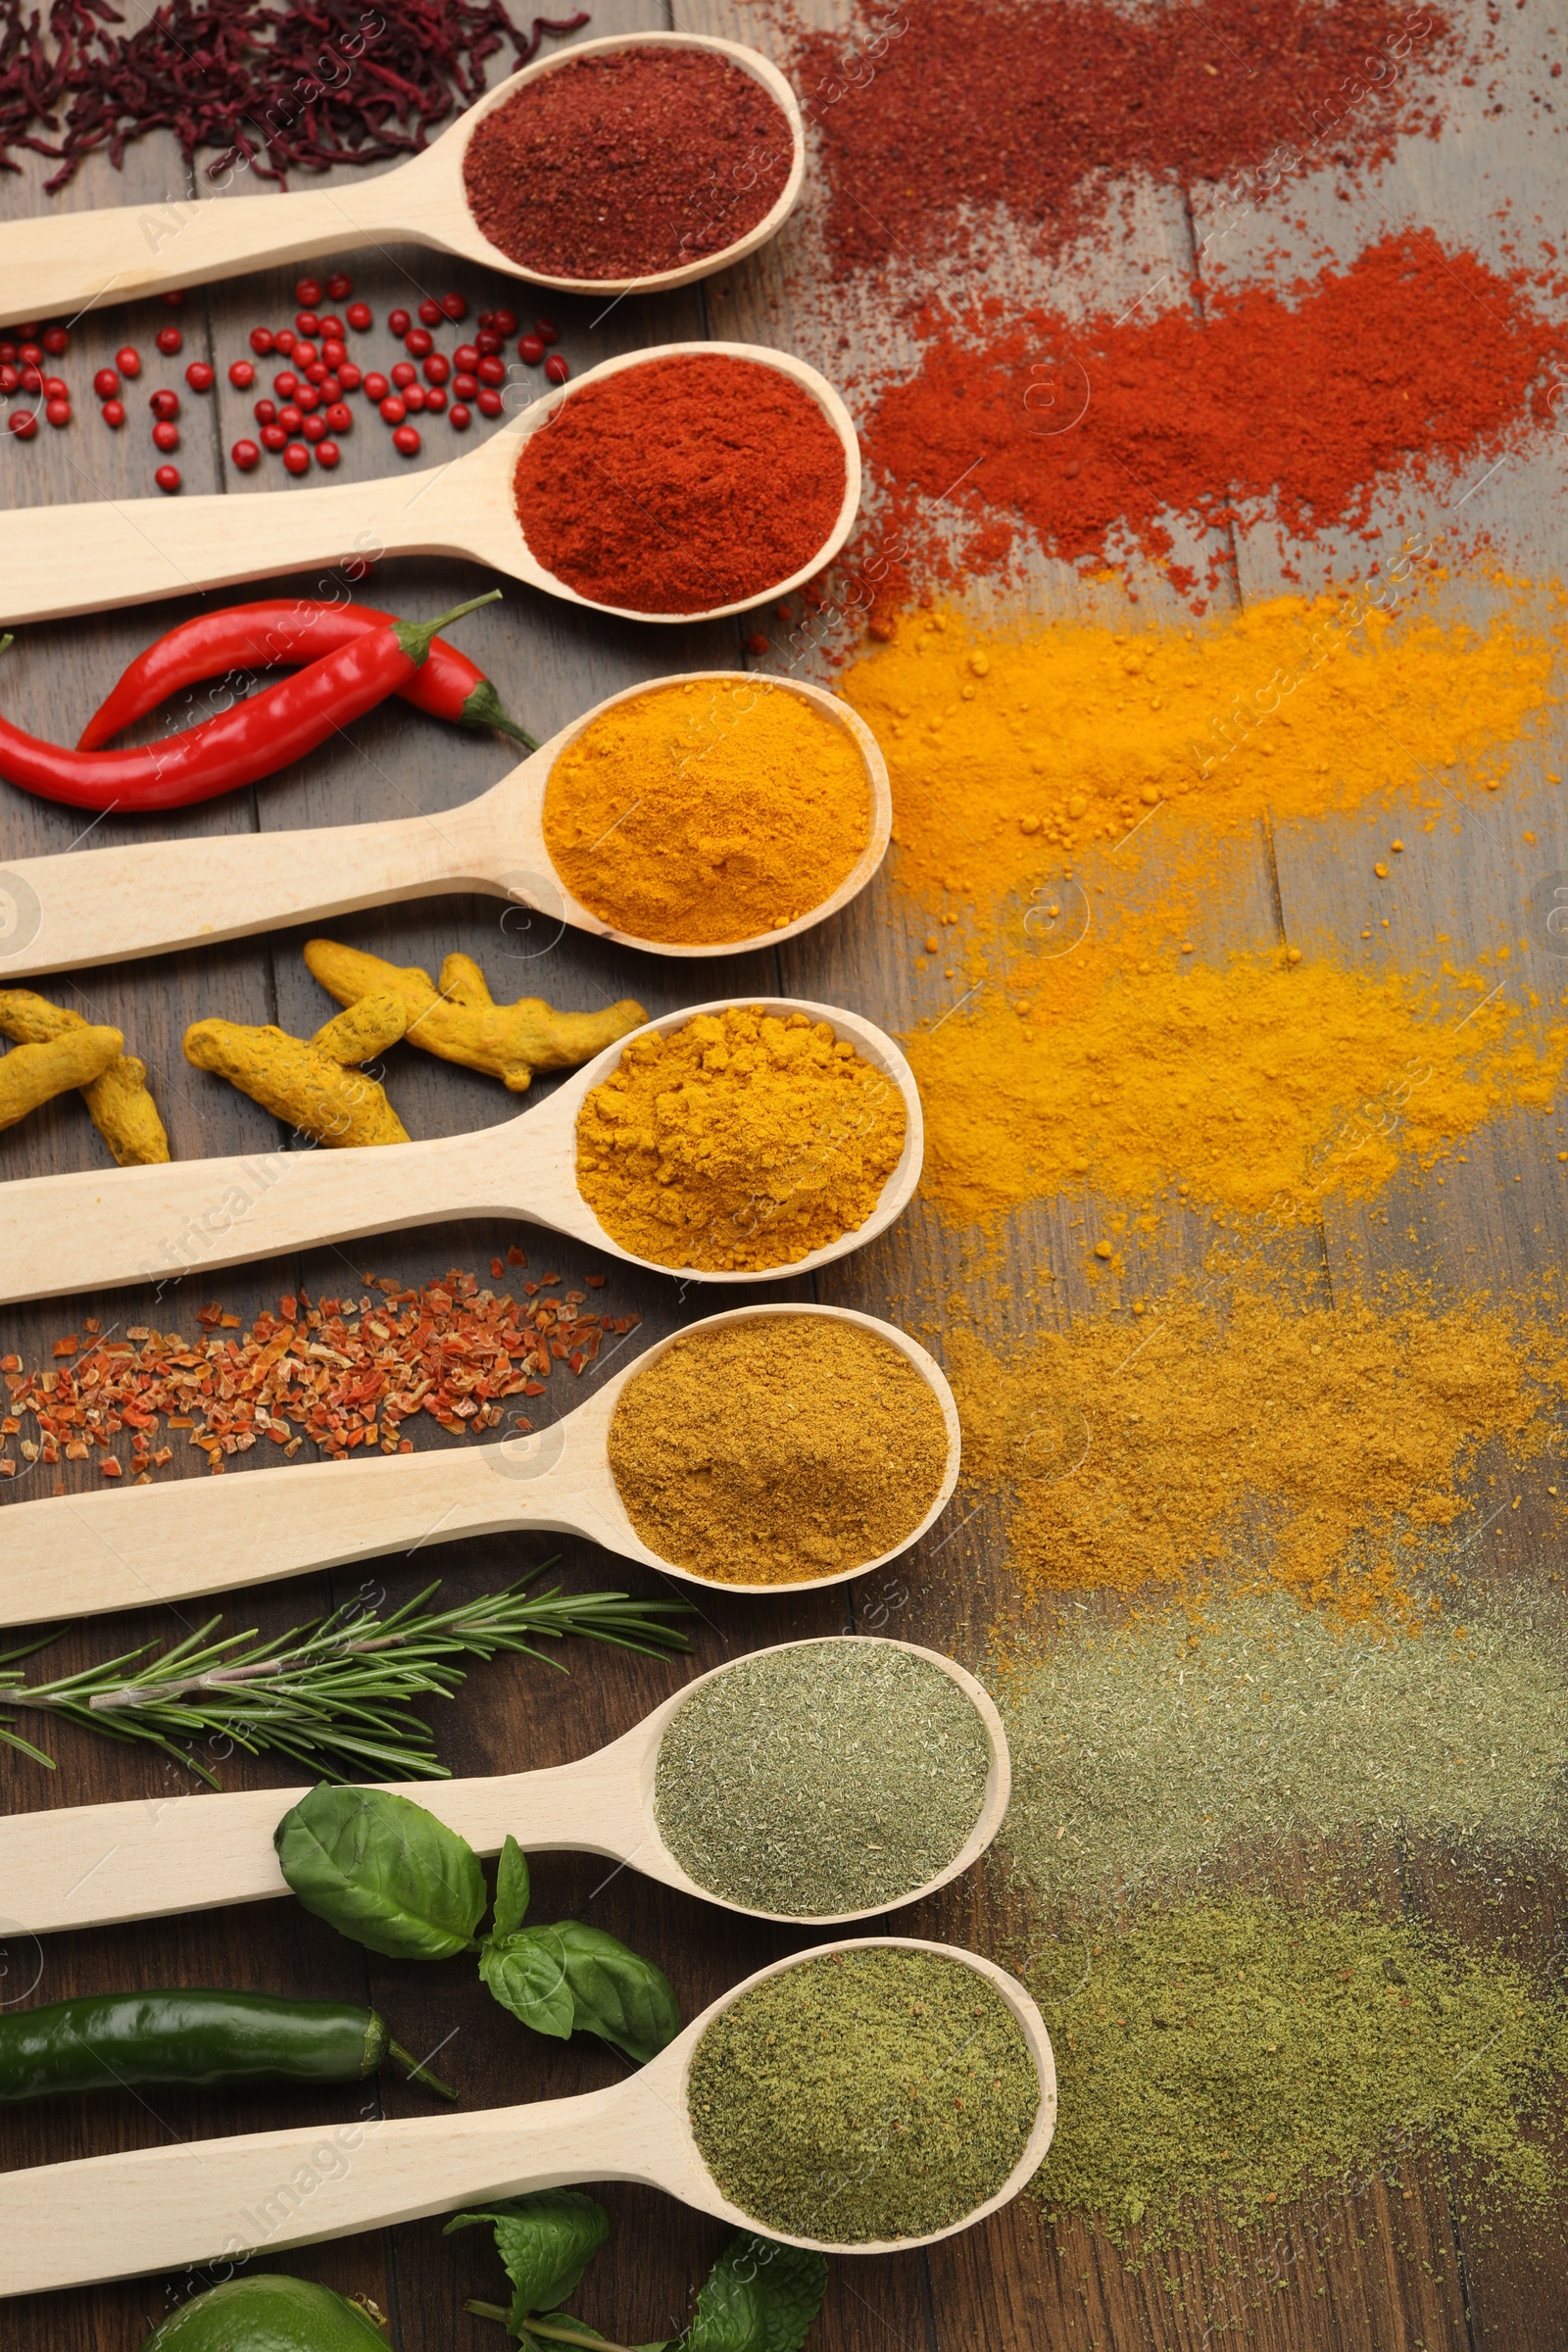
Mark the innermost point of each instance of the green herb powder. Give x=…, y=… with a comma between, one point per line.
x=873, y=2094
x=1246, y=2052
x=834, y=1777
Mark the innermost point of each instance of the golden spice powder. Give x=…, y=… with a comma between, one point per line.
x=777, y=1451
x=708, y=812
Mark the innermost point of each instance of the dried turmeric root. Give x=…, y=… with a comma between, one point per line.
x=460, y=1021
x=31, y=1075
x=313, y=1083
x=118, y=1101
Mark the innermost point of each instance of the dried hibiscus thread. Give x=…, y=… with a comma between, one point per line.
x=338, y=1372
x=272, y=89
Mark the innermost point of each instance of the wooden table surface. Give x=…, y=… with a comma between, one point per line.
x=1390, y=2263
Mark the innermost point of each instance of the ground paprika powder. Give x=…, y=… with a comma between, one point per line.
x=681, y=485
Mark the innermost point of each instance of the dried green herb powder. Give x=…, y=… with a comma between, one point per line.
x=874, y=2094
x=1139, y=1756
x=1246, y=2052
x=834, y=1777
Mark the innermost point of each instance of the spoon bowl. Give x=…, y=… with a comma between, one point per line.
x=167, y=2208
x=94, y=1866
x=79, y=1555
x=104, y=1228
x=133, y=551
x=64, y=263
x=102, y=907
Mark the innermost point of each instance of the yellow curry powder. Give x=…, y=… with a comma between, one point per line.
x=1260, y=1086
x=708, y=812
x=1002, y=748
x=1319, y=1452
x=742, y=1140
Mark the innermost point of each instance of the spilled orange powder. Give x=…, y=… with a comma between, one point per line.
x=1005, y=749
x=1262, y=1086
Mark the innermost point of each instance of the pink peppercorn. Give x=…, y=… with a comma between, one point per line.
x=435, y=399
x=487, y=342
x=413, y=398
x=333, y=331
x=54, y=340
x=262, y=340
x=431, y=310
x=306, y=399
x=463, y=387
x=241, y=374
x=360, y=316
x=165, y=404
x=285, y=341
x=459, y=417
x=274, y=437
x=199, y=376
x=546, y=331
x=172, y=299
x=318, y=373
x=327, y=454
x=266, y=411
x=296, y=457
x=530, y=349
x=285, y=383
x=334, y=351
x=453, y=307
x=168, y=340
x=491, y=371
x=306, y=322
x=290, y=418
x=505, y=323
x=340, y=416
x=166, y=435
x=58, y=411
x=307, y=292
x=330, y=389
x=23, y=422
x=376, y=386
x=466, y=358
x=404, y=373
x=437, y=367
x=393, y=410
x=9, y=378
x=487, y=402
x=406, y=441
x=114, y=413
x=398, y=323
x=55, y=387
x=168, y=480
x=314, y=428
x=339, y=287
x=419, y=342
x=349, y=377
x=246, y=455
x=555, y=368
x=303, y=352
x=128, y=360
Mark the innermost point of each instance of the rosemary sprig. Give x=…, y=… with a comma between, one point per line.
x=335, y=1694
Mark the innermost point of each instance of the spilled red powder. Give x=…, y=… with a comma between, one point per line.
x=1038, y=105
x=1411, y=361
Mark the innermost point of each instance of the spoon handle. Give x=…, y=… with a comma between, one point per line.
x=95, y=1866
x=62, y=263
x=160, y=2209
x=138, y=549
x=156, y=896
x=103, y=1228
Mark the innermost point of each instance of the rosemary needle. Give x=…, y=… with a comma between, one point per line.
x=335, y=1692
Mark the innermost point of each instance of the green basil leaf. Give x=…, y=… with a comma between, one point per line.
x=511, y=1888
x=527, y=1974
x=382, y=1871
x=617, y=1994
x=546, y=2241
x=758, y=2297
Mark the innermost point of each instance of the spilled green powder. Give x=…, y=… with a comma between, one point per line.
x=832, y=1776
x=875, y=2095
x=1246, y=2053
x=1143, y=1754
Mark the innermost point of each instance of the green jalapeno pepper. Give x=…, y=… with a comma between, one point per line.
x=198, y=2037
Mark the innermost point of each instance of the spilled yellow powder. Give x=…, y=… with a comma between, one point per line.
x=1316, y=1453
x=1262, y=1086
x=1004, y=748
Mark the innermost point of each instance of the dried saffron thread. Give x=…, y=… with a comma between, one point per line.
x=336, y=82
x=1038, y=108
x=1419, y=360
x=335, y=1372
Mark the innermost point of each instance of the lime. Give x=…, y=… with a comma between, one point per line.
x=268, y=2314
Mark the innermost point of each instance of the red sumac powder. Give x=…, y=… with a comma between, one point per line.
x=628, y=164
x=681, y=484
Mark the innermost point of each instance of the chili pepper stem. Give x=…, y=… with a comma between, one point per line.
x=483, y=709
x=415, y=636
x=418, y=2072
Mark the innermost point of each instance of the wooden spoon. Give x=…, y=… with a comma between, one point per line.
x=100, y=906
x=76, y=1555
x=94, y=1866
x=62, y=262
x=103, y=1228
x=133, y=549
x=167, y=2208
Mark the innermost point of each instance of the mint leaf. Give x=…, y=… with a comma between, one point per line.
x=758, y=2297
x=527, y=1974
x=546, y=2241
x=617, y=1994
x=511, y=1888
x=382, y=1871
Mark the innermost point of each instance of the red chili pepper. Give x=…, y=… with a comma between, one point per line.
x=253, y=740
x=274, y=633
